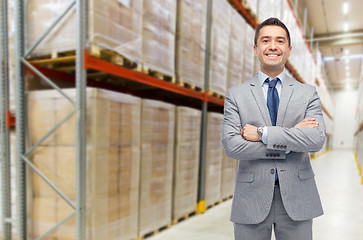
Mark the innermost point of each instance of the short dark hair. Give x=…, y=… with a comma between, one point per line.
x=272, y=22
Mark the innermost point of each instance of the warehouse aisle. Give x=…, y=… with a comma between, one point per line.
x=341, y=193
x=342, y=197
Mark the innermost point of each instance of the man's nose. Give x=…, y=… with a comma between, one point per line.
x=272, y=45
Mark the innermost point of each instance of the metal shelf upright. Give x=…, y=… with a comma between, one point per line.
x=201, y=207
x=21, y=117
x=4, y=123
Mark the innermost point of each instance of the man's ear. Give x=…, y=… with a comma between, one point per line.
x=255, y=50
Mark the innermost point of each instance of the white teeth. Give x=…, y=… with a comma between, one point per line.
x=272, y=55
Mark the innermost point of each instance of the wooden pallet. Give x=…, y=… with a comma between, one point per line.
x=217, y=95
x=153, y=233
x=249, y=10
x=56, y=59
x=113, y=57
x=158, y=75
x=227, y=198
x=186, y=217
x=180, y=82
x=65, y=60
x=214, y=204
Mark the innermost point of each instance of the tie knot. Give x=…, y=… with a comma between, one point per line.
x=272, y=83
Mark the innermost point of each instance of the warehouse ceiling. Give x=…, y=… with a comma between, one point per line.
x=338, y=29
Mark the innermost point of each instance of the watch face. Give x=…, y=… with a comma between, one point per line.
x=260, y=132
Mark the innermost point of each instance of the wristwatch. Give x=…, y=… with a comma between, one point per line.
x=260, y=132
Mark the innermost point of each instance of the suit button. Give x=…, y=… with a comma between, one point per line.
x=272, y=171
x=267, y=155
x=285, y=146
x=274, y=146
x=278, y=154
x=278, y=146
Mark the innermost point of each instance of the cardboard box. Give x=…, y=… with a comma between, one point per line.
x=190, y=42
x=112, y=24
x=112, y=162
x=157, y=157
x=213, y=160
x=186, y=170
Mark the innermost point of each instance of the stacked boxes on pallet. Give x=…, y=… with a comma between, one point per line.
x=213, y=159
x=248, y=61
x=156, y=173
x=113, y=24
x=221, y=22
x=236, y=50
x=158, y=35
x=187, y=148
x=269, y=8
x=190, y=42
x=113, y=159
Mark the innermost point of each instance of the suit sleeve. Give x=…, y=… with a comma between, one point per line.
x=300, y=139
x=235, y=146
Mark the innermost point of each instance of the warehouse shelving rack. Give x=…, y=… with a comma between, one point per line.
x=5, y=123
x=85, y=61
x=80, y=111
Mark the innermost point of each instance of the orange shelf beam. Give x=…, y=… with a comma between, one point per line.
x=237, y=4
x=103, y=66
x=10, y=120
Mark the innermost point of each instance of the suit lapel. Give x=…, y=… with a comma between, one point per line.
x=286, y=92
x=256, y=90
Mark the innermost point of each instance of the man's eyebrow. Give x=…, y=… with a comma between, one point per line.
x=279, y=37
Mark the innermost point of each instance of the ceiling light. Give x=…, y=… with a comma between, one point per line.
x=346, y=51
x=345, y=8
x=346, y=27
x=347, y=61
x=347, y=74
x=347, y=68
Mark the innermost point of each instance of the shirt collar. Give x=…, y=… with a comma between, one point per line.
x=262, y=77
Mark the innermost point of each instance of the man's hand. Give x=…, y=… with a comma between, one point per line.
x=307, y=123
x=249, y=132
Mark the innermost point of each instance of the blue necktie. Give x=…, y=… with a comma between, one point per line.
x=273, y=103
x=272, y=99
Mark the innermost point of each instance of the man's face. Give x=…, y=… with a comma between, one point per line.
x=272, y=49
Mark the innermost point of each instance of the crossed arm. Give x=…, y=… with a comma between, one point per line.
x=306, y=136
x=249, y=132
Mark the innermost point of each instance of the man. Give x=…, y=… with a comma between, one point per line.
x=270, y=125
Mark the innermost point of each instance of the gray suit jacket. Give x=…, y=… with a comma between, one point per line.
x=246, y=104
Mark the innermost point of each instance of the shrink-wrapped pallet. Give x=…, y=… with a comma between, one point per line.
x=112, y=24
x=249, y=59
x=157, y=157
x=251, y=5
x=187, y=148
x=213, y=159
x=190, y=42
x=269, y=8
x=158, y=35
x=221, y=24
x=229, y=168
x=236, y=49
x=112, y=164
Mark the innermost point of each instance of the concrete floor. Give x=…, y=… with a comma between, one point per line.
x=340, y=190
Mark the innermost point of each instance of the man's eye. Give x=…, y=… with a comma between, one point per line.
x=265, y=41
